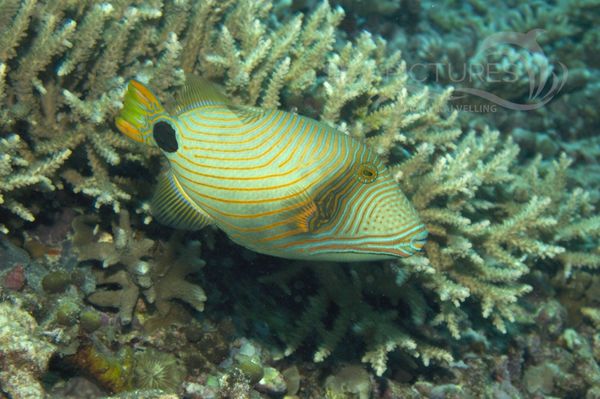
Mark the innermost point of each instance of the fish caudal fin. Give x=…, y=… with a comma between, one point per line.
x=140, y=107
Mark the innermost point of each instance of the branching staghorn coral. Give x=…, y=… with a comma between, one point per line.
x=19, y=169
x=472, y=253
x=62, y=70
x=576, y=225
x=257, y=59
x=496, y=222
x=344, y=304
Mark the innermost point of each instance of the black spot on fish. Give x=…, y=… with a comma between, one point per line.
x=164, y=135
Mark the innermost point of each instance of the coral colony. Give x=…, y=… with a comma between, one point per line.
x=484, y=115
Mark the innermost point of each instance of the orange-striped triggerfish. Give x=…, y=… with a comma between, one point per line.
x=276, y=182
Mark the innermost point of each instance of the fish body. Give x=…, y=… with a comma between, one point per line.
x=276, y=182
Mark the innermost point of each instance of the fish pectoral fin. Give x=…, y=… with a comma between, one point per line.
x=304, y=216
x=312, y=214
x=171, y=206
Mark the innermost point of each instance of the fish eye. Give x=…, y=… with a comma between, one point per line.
x=164, y=136
x=367, y=172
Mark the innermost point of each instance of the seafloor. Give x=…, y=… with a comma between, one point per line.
x=99, y=300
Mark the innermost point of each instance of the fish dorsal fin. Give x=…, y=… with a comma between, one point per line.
x=198, y=92
x=171, y=206
x=246, y=113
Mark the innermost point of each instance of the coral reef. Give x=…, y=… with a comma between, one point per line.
x=349, y=295
x=20, y=169
x=508, y=213
x=129, y=264
x=42, y=87
x=25, y=359
x=491, y=221
x=517, y=52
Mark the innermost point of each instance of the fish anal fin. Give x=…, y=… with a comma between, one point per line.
x=172, y=207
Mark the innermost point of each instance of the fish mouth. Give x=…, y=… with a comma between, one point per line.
x=417, y=241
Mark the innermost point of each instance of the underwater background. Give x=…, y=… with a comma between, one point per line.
x=485, y=113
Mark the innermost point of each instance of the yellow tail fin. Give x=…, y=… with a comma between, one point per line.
x=140, y=109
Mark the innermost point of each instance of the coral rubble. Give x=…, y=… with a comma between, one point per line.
x=25, y=359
